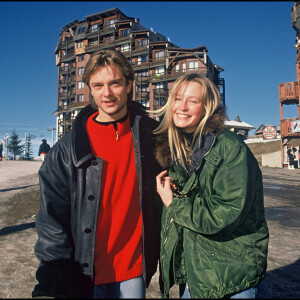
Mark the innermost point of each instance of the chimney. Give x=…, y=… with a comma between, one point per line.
x=237, y=118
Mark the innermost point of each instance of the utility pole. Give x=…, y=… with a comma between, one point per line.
x=5, y=145
x=52, y=135
x=25, y=146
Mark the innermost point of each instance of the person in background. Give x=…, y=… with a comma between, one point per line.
x=44, y=149
x=214, y=238
x=99, y=220
x=1, y=150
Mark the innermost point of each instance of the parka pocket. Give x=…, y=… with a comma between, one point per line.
x=220, y=249
x=215, y=265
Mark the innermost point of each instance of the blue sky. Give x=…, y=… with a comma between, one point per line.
x=252, y=41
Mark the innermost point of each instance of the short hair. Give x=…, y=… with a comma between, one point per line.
x=105, y=58
x=44, y=140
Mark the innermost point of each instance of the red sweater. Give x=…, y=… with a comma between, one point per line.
x=118, y=248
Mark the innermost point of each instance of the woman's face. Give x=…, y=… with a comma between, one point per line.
x=188, y=109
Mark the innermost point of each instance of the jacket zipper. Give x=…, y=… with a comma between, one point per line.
x=162, y=269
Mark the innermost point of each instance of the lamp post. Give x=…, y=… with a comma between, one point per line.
x=52, y=136
x=5, y=145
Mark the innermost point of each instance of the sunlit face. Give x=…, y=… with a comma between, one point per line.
x=188, y=109
x=109, y=89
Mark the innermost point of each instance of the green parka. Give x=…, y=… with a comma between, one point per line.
x=214, y=234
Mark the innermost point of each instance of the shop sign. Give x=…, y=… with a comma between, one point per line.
x=295, y=126
x=269, y=133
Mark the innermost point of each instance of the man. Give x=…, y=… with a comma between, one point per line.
x=99, y=221
x=44, y=149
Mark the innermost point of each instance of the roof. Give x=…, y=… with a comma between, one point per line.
x=237, y=124
x=260, y=128
x=200, y=48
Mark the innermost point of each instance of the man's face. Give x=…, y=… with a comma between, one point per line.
x=109, y=89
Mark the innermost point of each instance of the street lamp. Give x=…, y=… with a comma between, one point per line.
x=52, y=129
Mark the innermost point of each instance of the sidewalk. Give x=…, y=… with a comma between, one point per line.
x=18, y=263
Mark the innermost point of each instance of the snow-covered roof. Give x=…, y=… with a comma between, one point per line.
x=236, y=124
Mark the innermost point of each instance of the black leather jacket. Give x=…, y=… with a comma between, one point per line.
x=70, y=182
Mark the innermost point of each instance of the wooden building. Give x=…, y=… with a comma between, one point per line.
x=289, y=95
x=156, y=61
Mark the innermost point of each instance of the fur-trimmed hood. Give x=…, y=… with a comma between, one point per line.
x=214, y=124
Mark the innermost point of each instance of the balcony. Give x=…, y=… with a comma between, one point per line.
x=107, y=29
x=138, y=65
x=289, y=93
x=141, y=80
x=63, y=82
x=72, y=79
x=140, y=49
x=286, y=129
x=62, y=95
x=69, y=56
x=160, y=93
x=141, y=95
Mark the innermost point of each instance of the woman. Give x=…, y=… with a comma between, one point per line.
x=214, y=237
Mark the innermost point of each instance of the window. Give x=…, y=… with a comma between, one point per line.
x=81, y=30
x=144, y=102
x=80, y=57
x=193, y=64
x=110, y=23
x=94, y=27
x=80, y=84
x=159, y=70
x=177, y=67
x=80, y=98
x=159, y=101
x=142, y=73
x=125, y=47
x=109, y=38
x=80, y=71
x=141, y=59
x=184, y=66
x=159, y=54
x=142, y=43
x=125, y=32
x=161, y=85
x=79, y=44
x=143, y=88
x=93, y=41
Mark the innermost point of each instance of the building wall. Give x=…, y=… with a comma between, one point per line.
x=152, y=55
x=272, y=160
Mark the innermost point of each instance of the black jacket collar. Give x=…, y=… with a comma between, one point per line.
x=81, y=149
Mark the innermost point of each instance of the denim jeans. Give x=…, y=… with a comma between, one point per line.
x=132, y=288
x=247, y=294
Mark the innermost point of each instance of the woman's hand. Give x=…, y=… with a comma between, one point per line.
x=163, y=185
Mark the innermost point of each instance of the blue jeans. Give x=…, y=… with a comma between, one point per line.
x=247, y=294
x=132, y=288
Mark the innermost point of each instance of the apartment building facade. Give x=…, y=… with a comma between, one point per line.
x=157, y=62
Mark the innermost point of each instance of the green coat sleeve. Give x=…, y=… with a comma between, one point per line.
x=224, y=192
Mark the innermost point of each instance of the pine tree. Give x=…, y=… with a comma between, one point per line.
x=13, y=145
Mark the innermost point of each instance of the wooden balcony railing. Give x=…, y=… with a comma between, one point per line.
x=289, y=92
x=286, y=129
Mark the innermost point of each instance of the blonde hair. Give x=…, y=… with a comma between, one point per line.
x=179, y=147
